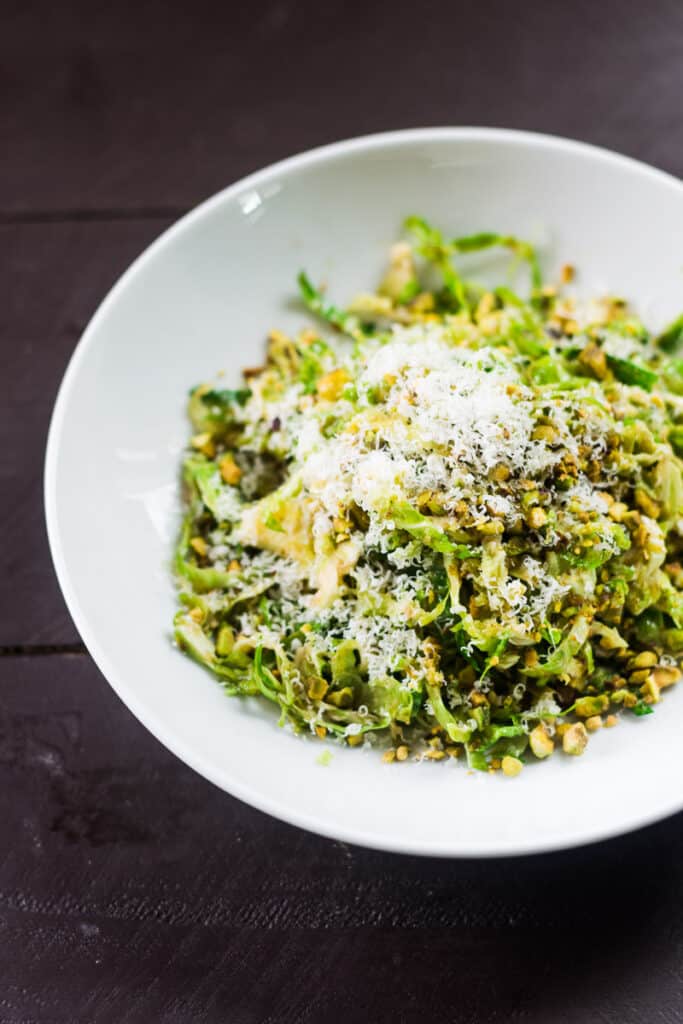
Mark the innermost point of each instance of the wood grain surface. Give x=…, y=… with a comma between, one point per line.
x=131, y=891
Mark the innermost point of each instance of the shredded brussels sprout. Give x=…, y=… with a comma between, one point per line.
x=447, y=517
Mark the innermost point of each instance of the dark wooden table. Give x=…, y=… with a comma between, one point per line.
x=130, y=889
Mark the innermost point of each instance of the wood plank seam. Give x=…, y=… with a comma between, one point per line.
x=45, y=216
x=40, y=650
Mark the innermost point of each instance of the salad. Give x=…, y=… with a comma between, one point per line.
x=446, y=520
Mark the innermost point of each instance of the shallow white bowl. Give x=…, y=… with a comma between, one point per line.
x=200, y=299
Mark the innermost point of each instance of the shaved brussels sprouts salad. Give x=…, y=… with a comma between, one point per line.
x=446, y=520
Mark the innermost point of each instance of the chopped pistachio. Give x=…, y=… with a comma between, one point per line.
x=650, y=691
x=586, y=707
x=541, y=742
x=665, y=676
x=536, y=517
x=317, y=688
x=575, y=739
x=204, y=443
x=649, y=506
x=511, y=766
x=331, y=386
x=646, y=659
x=199, y=545
x=229, y=470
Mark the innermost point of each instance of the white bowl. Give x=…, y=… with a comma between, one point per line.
x=200, y=299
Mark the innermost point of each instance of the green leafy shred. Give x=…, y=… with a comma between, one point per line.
x=629, y=372
x=222, y=397
x=671, y=339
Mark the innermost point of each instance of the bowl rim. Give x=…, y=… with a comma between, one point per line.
x=126, y=690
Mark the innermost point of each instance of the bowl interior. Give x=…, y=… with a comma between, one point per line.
x=201, y=300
